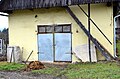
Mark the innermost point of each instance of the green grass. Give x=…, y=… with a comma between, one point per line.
x=48, y=71
x=98, y=70
x=85, y=70
x=11, y=66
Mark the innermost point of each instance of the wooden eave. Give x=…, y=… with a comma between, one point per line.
x=10, y=5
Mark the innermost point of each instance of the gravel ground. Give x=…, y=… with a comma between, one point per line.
x=25, y=75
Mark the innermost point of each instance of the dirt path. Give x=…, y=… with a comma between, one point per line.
x=25, y=75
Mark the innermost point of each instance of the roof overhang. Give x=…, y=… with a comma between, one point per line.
x=10, y=5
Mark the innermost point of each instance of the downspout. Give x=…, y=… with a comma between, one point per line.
x=115, y=26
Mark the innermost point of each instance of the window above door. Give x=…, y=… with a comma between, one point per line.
x=65, y=28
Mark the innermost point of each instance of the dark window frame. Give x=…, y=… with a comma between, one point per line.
x=53, y=28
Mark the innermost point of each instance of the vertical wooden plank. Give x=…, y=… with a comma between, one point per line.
x=14, y=4
x=54, y=3
x=63, y=2
x=31, y=4
x=17, y=4
x=46, y=3
x=69, y=2
x=22, y=4
x=57, y=2
x=60, y=3
x=10, y=4
x=35, y=3
x=28, y=3
x=41, y=3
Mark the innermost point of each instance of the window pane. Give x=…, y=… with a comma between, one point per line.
x=58, y=29
x=66, y=29
x=41, y=29
x=49, y=29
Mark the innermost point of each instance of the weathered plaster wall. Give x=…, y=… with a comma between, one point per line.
x=23, y=26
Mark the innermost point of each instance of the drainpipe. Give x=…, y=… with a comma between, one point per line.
x=115, y=26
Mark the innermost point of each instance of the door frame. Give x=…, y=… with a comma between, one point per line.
x=54, y=38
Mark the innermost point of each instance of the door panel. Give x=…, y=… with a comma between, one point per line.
x=62, y=46
x=45, y=43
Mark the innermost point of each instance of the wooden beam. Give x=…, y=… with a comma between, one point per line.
x=89, y=32
x=96, y=26
x=103, y=51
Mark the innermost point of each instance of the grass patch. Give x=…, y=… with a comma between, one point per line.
x=85, y=70
x=94, y=70
x=48, y=71
x=11, y=66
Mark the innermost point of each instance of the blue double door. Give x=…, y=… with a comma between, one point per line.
x=54, y=47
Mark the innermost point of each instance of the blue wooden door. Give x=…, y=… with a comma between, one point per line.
x=45, y=47
x=62, y=46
